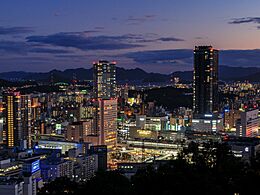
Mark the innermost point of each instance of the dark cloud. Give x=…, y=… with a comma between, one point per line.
x=49, y=51
x=244, y=58
x=15, y=30
x=12, y=47
x=151, y=38
x=82, y=41
x=23, y=48
x=71, y=56
x=91, y=31
x=170, y=39
x=246, y=20
x=150, y=16
x=163, y=61
x=57, y=13
x=132, y=20
x=162, y=56
x=183, y=57
x=79, y=40
x=99, y=27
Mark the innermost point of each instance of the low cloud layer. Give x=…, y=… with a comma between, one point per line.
x=246, y=20
x=15, y=30
x=84, y=42
x=79, y=49
x=182, y=59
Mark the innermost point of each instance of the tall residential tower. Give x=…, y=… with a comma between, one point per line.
x=104, y=79
x=205, y=80
x=17, y=109
x=104, y=90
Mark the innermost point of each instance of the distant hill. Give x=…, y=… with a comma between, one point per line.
x=237, y=73
x=226, y=73
x=126, y=75
x=7, y=83
x=252, y=77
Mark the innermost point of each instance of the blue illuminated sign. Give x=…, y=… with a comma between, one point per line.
x=35, y=166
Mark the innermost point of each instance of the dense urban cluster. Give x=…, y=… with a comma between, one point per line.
x=99, y=136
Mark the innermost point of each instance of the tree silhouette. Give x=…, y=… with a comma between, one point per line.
x=208, y=168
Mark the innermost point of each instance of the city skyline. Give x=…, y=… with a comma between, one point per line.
x=157, y=36
x=129, y=97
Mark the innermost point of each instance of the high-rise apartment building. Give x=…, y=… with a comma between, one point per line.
x=105, y=112
x=12, y=121
x=17, y=113
x=26, y=117
x=104, y=79
x=205, y=80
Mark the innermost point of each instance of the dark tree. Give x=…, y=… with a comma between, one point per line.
x=110, y=182
x=59, y=186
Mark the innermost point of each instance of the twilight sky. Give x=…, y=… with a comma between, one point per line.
x=155, y=35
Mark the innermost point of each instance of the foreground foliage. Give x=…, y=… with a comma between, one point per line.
x=210, y=170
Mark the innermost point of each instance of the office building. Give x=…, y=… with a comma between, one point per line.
x=78, y=131
x=32, y=175
x=230, y=119
x=55, y=168
x=104, y=79
x=12, y=187
x=205, y=80
x=152, y=123
x=101, y=152
x=64, y=146
x=207, y=123
x=106, y=122
x=9, y=169
x=248, y=124
x=85, y=167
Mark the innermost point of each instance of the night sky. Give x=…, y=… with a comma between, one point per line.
x=155, y=35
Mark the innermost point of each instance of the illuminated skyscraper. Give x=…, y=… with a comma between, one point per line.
x=107, y=123
x=104, y=79
x=12, y=123
x=105, y=112
x=26, y=119
x=17, y=112
x=205, y=80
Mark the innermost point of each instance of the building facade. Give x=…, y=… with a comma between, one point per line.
x=205, y=80
x=106, y=122
x=104, y=79
x=17, y=125
x=248, y=124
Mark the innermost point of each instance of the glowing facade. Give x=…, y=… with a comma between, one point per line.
x=107, y=123
x=17, y=110
x=105, y=112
